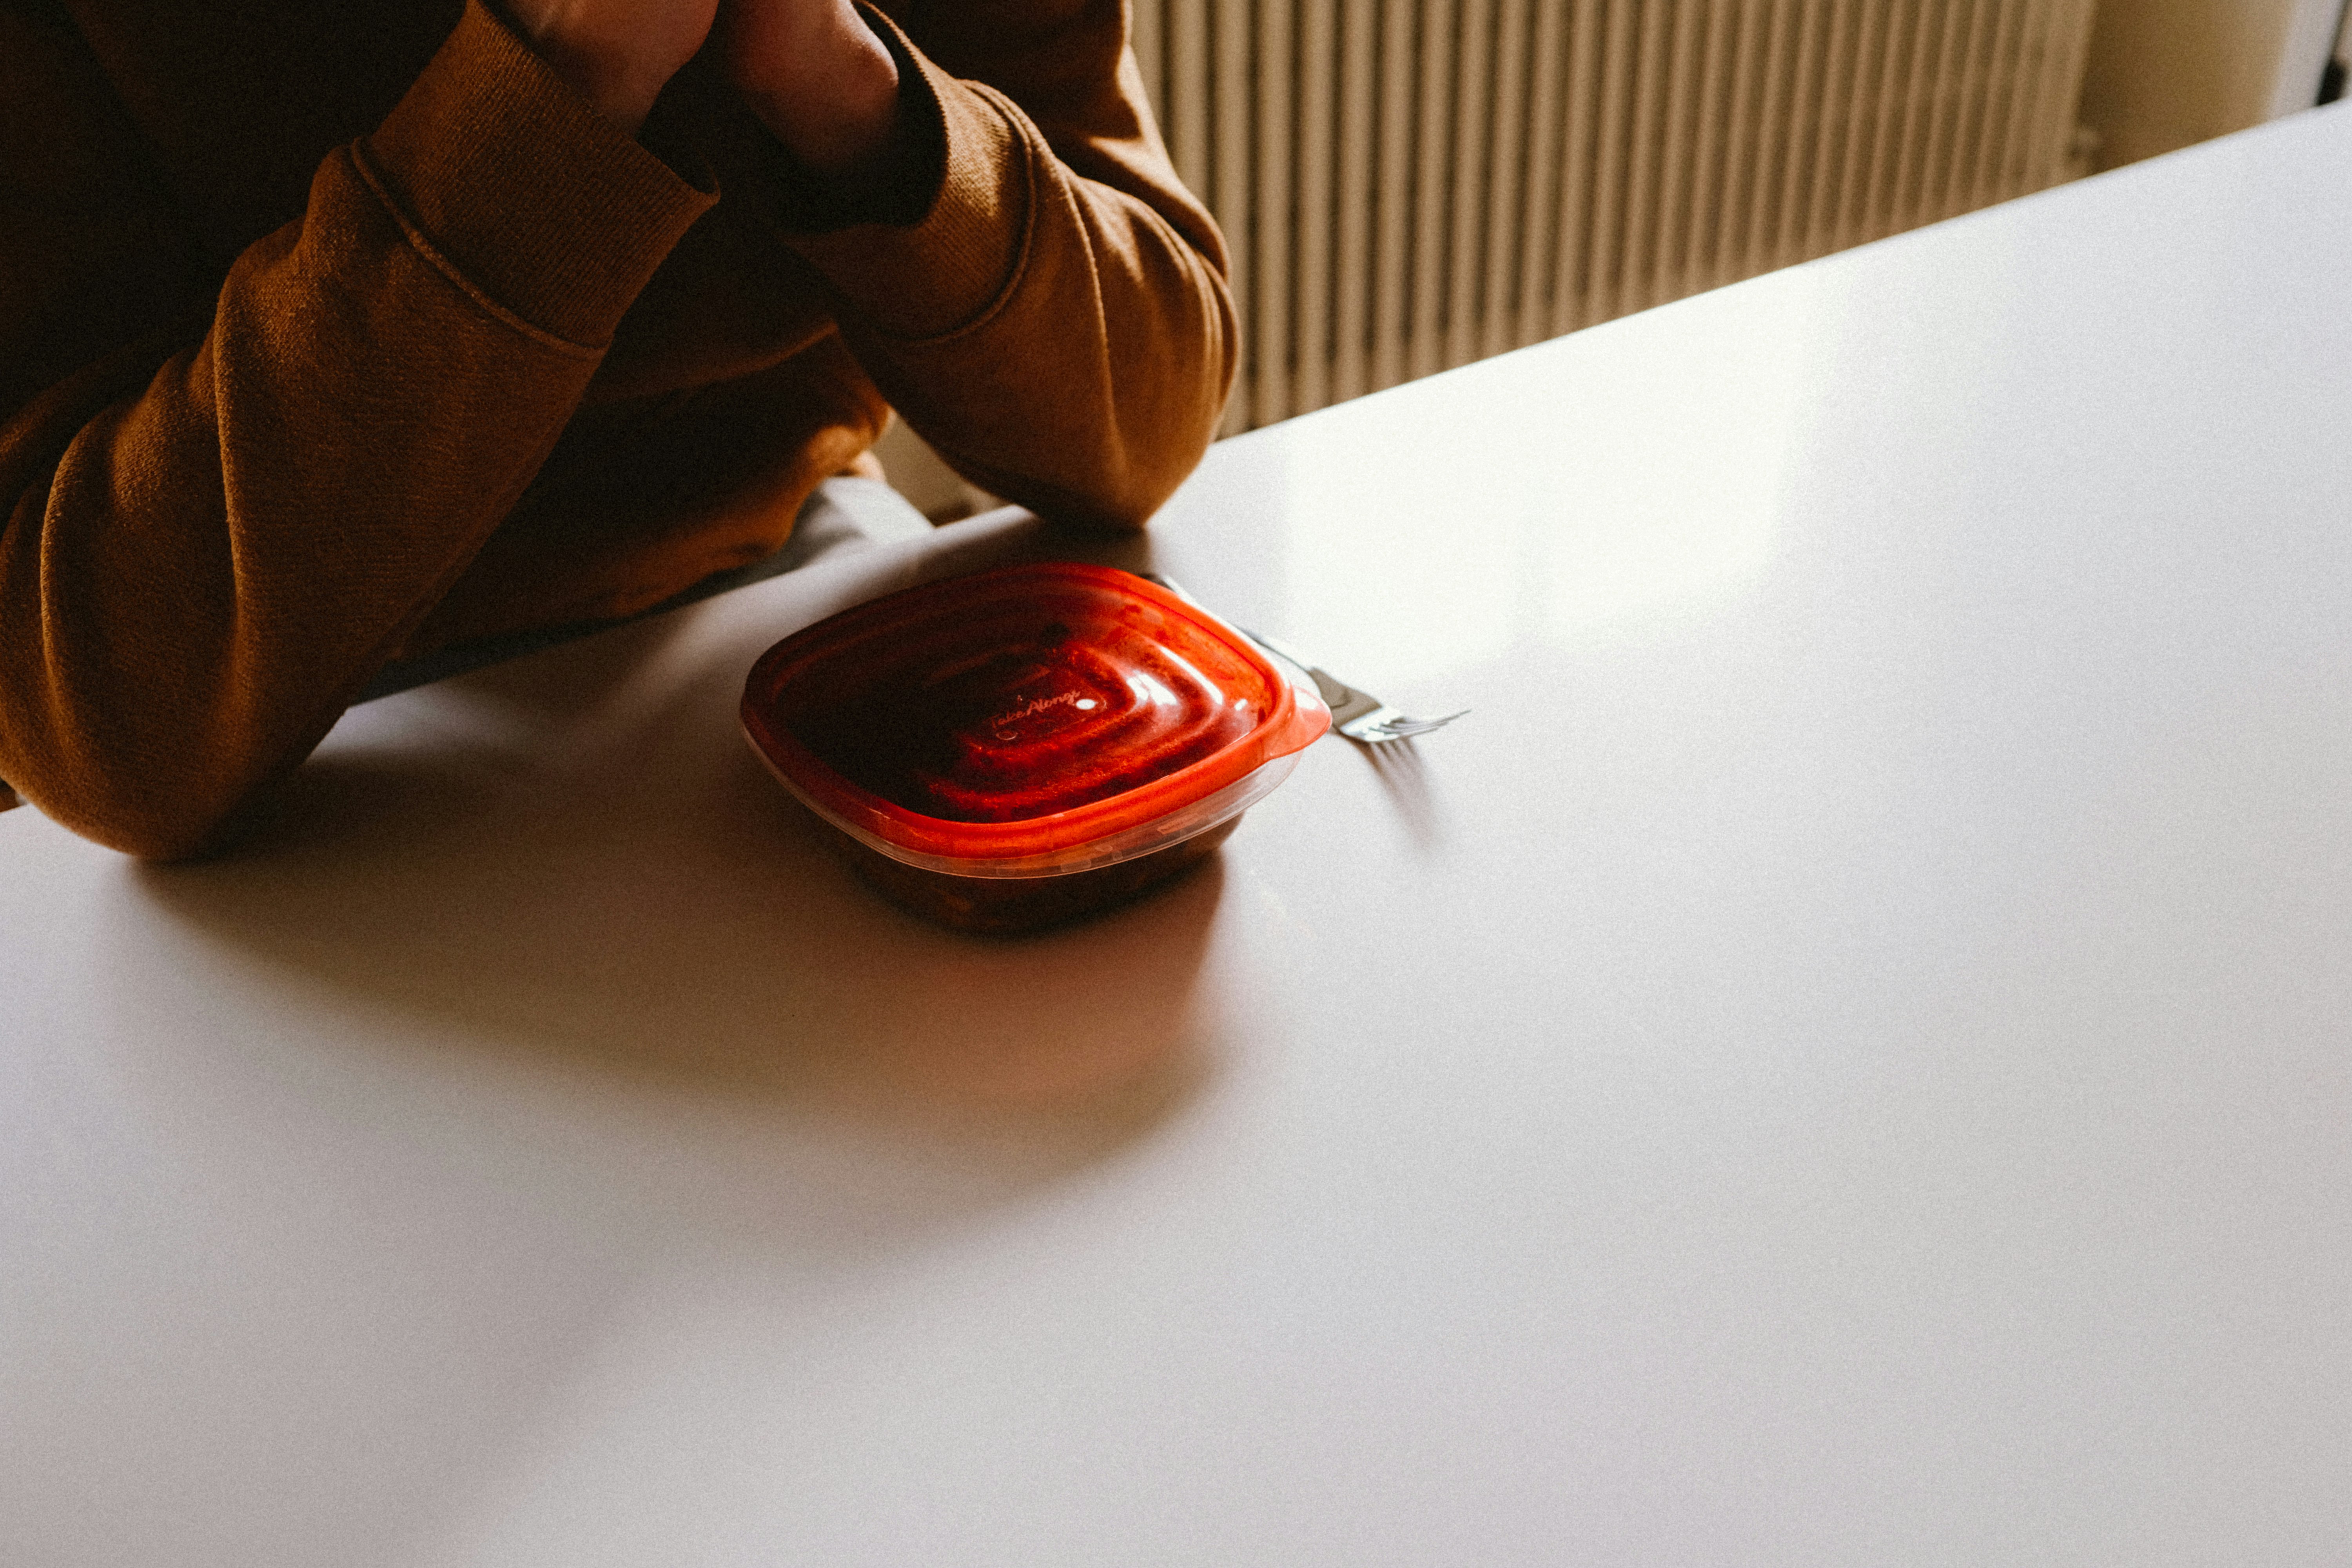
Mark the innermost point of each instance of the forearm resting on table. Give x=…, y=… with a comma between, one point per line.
x=211, y=542
x=1055, y=323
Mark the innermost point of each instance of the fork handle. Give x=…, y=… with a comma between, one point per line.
x=1345, y=701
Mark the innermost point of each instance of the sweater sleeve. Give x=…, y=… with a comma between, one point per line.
x=1056, y=320
x=209, y=537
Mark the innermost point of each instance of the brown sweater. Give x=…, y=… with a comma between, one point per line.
x=332, y=331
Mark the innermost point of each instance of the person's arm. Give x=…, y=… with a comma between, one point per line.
x=211, y=530
x=1054, y=318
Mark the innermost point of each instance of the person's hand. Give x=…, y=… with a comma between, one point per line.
x=817, y=75
x=619, y=54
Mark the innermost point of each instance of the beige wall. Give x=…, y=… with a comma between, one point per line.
x=2165, y=73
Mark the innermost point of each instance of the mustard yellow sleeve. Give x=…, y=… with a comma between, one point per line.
x=1056, y=320
x=211, y=536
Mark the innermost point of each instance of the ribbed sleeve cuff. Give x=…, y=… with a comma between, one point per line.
x=947, y=267
x=534, y=199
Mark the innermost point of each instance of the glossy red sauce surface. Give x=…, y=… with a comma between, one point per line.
x=1016, y=694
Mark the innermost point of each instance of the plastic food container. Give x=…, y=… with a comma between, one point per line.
x=1021, y=747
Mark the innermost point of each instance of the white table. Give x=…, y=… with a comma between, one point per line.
x=1841, y=1060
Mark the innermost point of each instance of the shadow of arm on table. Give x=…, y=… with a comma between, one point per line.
x=575, y=859
x=742, y=964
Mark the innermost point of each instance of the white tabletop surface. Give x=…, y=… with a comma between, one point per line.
x=1841, y=1059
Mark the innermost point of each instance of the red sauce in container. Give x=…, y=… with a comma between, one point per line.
x=1018, y=747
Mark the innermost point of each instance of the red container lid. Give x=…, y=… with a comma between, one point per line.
x=1017, y=717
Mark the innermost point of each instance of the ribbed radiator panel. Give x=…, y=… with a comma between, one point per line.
x=1412, y=184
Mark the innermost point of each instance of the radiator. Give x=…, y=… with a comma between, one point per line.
x=1412, y=184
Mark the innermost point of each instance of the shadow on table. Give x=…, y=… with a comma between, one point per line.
x=576, y=859
x=530, y=1041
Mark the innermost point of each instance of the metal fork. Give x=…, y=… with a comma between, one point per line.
x=1359, y=715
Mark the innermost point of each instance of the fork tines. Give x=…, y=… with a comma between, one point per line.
x=1387, y=724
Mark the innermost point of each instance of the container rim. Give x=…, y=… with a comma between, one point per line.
x=1209, y=812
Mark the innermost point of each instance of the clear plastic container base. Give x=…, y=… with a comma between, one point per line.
x=1016, y=905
